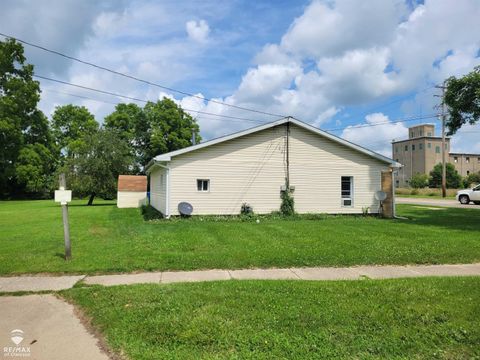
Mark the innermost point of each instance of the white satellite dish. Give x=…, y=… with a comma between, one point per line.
x=380, y=195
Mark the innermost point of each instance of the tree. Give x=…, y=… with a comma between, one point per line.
x=462, y=97
x=71, y=124
x=22, y=125
x=165, y=127
x=35, y=168
x=419, y=181
x=157, y=128
x=453, y=177
x=99, y=159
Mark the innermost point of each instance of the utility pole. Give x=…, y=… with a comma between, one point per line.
x=444, y=163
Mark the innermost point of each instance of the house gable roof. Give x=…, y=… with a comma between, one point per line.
x=168, y=156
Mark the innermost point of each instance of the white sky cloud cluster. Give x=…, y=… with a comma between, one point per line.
x=334, y=56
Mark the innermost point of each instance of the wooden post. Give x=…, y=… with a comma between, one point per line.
x=66, y=228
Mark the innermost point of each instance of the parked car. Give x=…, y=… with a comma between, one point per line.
x=465, y=196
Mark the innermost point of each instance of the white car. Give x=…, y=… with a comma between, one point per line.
x=465, y=196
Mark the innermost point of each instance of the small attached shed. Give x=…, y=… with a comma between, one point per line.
x=132, y=191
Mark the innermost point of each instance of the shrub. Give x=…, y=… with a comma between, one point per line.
x=150, y=213
x=453, y=177
x=287, y=208
x=472, y=179
x=419, y=181
x=246, y=209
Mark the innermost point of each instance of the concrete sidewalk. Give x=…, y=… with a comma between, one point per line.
x=43, y=327
x=55, y=283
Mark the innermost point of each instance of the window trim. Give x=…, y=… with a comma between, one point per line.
x=352, y=193
x=202, y=187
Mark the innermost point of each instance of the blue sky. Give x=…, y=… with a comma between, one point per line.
x=334, y=64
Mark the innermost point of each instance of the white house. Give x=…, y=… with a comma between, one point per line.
x=326, y=173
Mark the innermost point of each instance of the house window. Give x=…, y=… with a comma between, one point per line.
x=437, y=149
x=429, y=145
x=203, y=185
x=406, y=147
x=413, y=147
x=420, y=146
x=467, y=159
x=429, y=134
x=455, y=159
x=347, y=190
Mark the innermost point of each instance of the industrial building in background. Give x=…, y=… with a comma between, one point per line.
x=423, y=150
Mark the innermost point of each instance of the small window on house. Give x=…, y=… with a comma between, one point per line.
x=420, y=146
x=347, y=190
x=467, y=159
x=437, y=149
x=406, y=147
x=455, y=159
x=429, y=134
x=413, y=147
x=429, y=145
x=203, y=184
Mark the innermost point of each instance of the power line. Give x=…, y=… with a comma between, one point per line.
x=140, y=100
x=386, y=122
x=137, y=78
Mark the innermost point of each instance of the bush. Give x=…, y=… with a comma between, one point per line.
x=150, y=213
x=287, y=208
x=453, y=177
x=472, y=179
x=419, y=181
x=246, y=209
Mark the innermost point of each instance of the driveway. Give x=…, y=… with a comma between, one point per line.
x=435, y=202
x=43, y=327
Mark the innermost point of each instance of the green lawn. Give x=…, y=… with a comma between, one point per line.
x=107, y=239
x=429, y=318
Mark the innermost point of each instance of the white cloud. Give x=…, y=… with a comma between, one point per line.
x=197, y=30
x=377, y=137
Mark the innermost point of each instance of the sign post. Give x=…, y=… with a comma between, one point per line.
x=64, y=197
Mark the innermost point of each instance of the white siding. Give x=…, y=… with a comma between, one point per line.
x=247, y=169
x=252, y=169
x=158, y=189
x=316, y=167
x=131, y=199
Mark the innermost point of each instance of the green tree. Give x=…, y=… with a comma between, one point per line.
x=157, y=128
x=419, y=181
x=71, y=124
x=462, y=97
x=454, y=179
x=165, y=127
x=21, y=123
x=35, y=168
x=99, y=159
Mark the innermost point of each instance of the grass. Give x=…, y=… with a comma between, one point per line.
x=106, y=239
x=425, y=193
x=429, y=318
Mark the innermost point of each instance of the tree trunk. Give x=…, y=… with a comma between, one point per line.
x=90, y=200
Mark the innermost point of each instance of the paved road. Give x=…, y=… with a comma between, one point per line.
x=49, y=330
x=435, y=202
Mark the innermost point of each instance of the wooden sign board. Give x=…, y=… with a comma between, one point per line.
x=63, y=196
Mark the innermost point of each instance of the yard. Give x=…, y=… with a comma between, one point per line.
x=106, y=239
x=430, y=318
